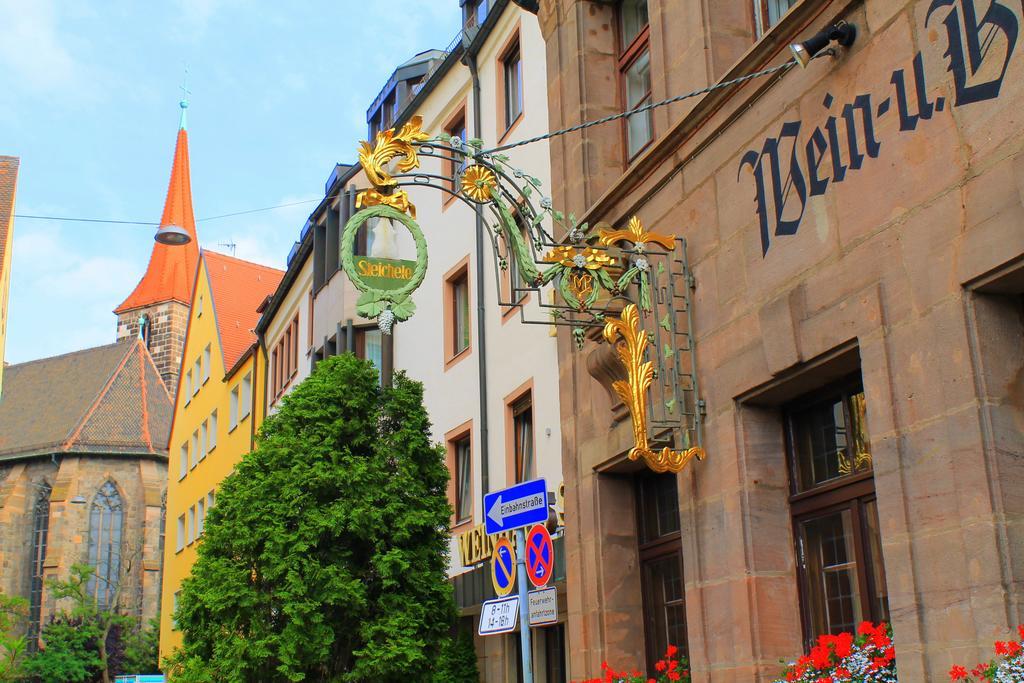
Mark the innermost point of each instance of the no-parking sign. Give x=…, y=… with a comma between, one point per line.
x=540, y=556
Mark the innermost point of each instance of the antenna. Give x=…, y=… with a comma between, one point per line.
x=229, y=245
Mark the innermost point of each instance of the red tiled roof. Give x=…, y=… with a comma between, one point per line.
x=237, y=288
x=8, y=181
x=107, y=400
x=171, y=269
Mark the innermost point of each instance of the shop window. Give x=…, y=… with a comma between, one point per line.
x=661, y=565
x=106, y=521
x=522, y=439
x=511, y=104
x=769, y=12
x=457, y=317
x=635, y=72
x=40, y=531
x=835, y=513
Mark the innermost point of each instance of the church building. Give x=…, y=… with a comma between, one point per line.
x=83, y=436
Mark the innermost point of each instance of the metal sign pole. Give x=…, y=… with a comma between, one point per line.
x=524, y=616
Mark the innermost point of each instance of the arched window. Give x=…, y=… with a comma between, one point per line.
x=106, y=519
x=40, y=528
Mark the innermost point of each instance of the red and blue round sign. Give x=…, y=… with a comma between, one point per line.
x=540, y=556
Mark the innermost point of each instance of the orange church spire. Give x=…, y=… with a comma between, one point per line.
x=171, y=269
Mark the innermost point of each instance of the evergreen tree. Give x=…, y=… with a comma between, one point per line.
x=325, y=556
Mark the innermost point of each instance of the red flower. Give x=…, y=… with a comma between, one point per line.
x=661, y=666
x=1013, y=648
x=866, y=628
x=1020, y=630
x=821, y=657
x=1001, y=648
x=957, y=673
x=843, y=674
x=673, y=675
x=671, y=651
x=843, y=644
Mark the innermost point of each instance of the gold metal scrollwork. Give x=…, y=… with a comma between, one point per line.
x=373, y=159
x=636, y=234
x=630, y=342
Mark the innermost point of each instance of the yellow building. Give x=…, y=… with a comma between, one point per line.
x=8, y=181
x=219, y=406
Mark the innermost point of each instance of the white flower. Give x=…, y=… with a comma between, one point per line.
x=642, y=264
x=579, y=260
x=545, y=202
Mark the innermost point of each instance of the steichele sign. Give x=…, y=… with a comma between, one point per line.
x=382, y=273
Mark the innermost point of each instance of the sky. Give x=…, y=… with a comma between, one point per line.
x=89, y=100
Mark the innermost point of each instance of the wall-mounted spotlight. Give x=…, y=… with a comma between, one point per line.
x=172, y=235
x=841, y=32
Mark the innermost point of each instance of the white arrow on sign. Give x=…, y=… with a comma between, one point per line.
x=500, y=510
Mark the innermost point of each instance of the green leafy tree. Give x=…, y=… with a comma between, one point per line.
x=13, y=614
x=140, y=649
x=71, y=653
x=457, y=663
x=324, y=558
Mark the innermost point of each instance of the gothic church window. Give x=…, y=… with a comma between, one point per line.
x=40, y=529
x=106, y=523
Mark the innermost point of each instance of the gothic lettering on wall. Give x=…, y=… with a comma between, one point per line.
x=800, y=162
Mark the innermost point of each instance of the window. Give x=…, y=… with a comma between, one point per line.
x=188, y=387
x=835, y=514
x=106, y=520
x=234, y=409
x=246, y=397
x=180, y=541
x=200, y=516
x=183, y=465
x=195, y=448
x=522, y=440
x=174, y=620
x=211, y=498
x=191, y=530
x=40, y=530
x=768, y=12
x=452, y=169
x=206, y=363
x=661, y=565
x=474, y=12
x=457, y=319
x=635, y=72
x=204, y=435
x=195, y=376
x=511, y=105
x=460, y=463
x=554, y=653
x=309, y=315
x=513, y=288
x=284, y=362
x=199, y=306
x=369, y=346
x=213, y=431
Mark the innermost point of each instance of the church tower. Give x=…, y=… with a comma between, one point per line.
x=157, y=309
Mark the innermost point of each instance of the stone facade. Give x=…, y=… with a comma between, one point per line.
x=863, y=216
x=141, y=483
x=168, y=322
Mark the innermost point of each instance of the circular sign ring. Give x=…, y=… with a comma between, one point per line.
x=538, y=544
x=348, y=240
x=498, y=566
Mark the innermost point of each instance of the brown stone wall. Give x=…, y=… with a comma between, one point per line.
x=168, y=325
x=141, y=484
x=909, y=269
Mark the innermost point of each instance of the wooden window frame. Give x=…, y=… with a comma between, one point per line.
x=852, y=492
x=452, y=438
x=513, y=45
x=294, y=329
x=455, y=273
x=650, y=551
x=451, y=124
x=512, y=402
x=507, y=276
x=628, y=55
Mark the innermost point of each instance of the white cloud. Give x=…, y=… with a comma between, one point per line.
x=62, y=298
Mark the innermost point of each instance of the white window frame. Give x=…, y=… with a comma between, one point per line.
x=204, y=434
x=191, y=526
x=206, y=364
x=213, y=432
x=200, y=516
x=234, y=409
x=183, y=465
x=195, y=450
x=179, y=542
x=188, y=387
x=197, y=368
x=245, y=397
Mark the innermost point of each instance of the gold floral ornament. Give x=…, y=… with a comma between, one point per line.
x=630, y=342
x=636, y=234
x=479, y=183
x=387, y=145
x=578, y=272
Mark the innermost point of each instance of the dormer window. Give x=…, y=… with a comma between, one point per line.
x=474, y=12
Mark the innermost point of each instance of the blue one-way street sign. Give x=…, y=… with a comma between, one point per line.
x=517, y=506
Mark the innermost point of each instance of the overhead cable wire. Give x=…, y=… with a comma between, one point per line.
x=529, y=141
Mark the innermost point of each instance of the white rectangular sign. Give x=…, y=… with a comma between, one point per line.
x=499, y=616
x=543, y=606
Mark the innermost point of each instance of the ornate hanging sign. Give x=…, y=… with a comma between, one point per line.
x=632, y=284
